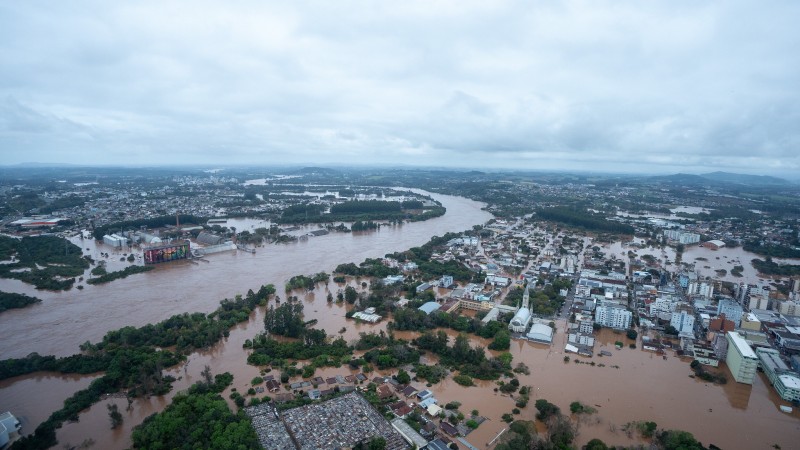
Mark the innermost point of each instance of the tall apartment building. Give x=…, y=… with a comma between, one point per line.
x=789, y=308
x=741, y=359
x=613, y=316
x=700, y=288
x=683, y=322
x=682, y=237
x=758, y=301
x=732, y=310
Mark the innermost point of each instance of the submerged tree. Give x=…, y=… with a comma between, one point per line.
x=114, y=415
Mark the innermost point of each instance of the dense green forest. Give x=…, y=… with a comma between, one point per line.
x=769, y=267
x=775, y=251
x=10, y=300
x=582, y=218
x=365, y=206
x=47, y=262
x=371, y=267
x=198, y=419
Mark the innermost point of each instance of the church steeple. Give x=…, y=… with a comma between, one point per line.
x=526, y=297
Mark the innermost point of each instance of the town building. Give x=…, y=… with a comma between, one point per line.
x=682, y=237
x=581, y=339
x=393, y=279
x=683, y=322
x=785, y=381
x=523, y=315
x=613, y=316
x=741, y=360
x=446, y=281
x=758, y=301
x=732, y=310
x=702, y=288
x=540, y=333
x=750, y=322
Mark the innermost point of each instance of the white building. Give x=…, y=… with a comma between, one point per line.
x=498, y=280
x=789, y=308
x=115, y=240
x=523, y=316
x=701, y=288
x=741, y=359
x=612, y=316
x=540, y=333
x=758, y=301
x=785, y=381
x=662, y=305
x=682, y=237
x=683, y=322
x=581, y=339
x=393, y=279
x=446, y=281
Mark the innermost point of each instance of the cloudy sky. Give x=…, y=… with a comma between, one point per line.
x=619, y=86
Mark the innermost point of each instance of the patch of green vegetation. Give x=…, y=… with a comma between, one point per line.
x=111, y=276
x=769, y=267
x=10, y=300
x=199, y=419
x=47, y=262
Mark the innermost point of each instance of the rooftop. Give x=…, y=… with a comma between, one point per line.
x=791, y=381
x=742, y=345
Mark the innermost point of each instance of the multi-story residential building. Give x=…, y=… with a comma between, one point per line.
x=732, y=310
x=758, y=301
x=581, y=338
x=683, y=322
x=741, y=360
x=700, y=288
x=785, y=381
x=685, y=278
x=662, y=305
x=682, y=237
x=613, y=316
x=789, y=308
x=585, y=327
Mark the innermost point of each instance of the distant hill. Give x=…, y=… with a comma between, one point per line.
x=314, y=170
x=741, y=178
x=719, y=179
x=680, y=178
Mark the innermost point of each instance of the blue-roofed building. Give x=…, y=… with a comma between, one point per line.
x=429, y=307
x=427, y=402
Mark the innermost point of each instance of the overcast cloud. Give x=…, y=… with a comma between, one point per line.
x=667, y=86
